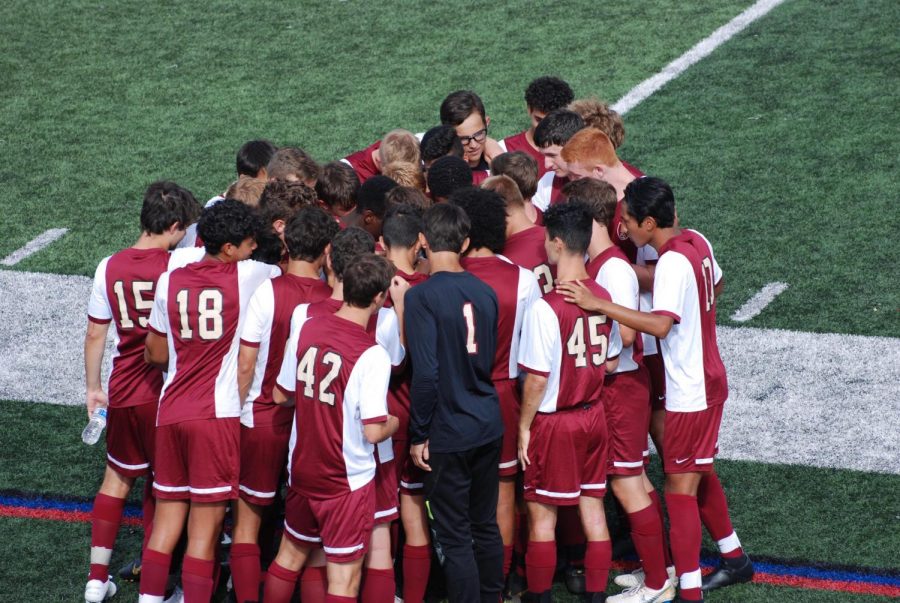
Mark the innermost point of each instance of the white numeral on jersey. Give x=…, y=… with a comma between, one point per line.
x=544, y=277
x=709, y=287
x=307, y=375
x=141, y=305
x=469, y=314
x=209, y=309
x=577, y=347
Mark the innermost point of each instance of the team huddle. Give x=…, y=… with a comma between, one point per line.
x=442, y=349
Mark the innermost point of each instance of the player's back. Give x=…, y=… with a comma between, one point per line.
x=612, y=271
x=526, y=248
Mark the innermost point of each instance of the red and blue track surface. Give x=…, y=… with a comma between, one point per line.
x=777, y=572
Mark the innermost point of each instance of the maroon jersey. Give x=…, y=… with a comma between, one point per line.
x=526, y=248
x=362, y=162
x=123, y=290
x=519, y=142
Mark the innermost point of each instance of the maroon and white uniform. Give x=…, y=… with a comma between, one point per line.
x=266, y=426
x=340, y=375
x=549, y=191
x=526, y=248
x=519, y=142
x=362, y=162
x=183, y=256
x=569, y=347
x=647, y=256
x=200, y=309
x=123, y=290
x=512, y=301
x=696, y=384
x=626, y=392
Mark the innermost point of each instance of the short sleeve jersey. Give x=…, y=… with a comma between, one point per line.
x=512, y=301
x=362, y=162
x=526, y=248
x=549, y=191
x=200, y=309
x=569, y=347
x=123, y=291
x=685, y=277
x=340, y=376
x=612, y=271
x=267, y=328
x=519, y=142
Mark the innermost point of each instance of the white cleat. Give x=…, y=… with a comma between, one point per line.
x=636, y=578
x=642, y=594
x=96, y=590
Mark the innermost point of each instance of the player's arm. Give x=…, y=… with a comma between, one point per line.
x=532, y=393
x=644, y=274
x=399, y=287
x=156, y=351
x=94, y=346
x=247, y=356
x=657, y=325
x=257, y=326
x=379, y=432
x=424, y=386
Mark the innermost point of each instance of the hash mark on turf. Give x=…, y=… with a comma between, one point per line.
x=33, y=246
x=758, y=302
x=701, y=50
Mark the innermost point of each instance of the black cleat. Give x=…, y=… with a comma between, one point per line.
x=575, y=580
x=544, y=597
x=729, y=572
x=515, y=586
x=131, y=572
x=594, y=597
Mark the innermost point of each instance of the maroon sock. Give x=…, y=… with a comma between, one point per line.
x=378, y=585
x=148, y=508
x=245, y=571
x=105, y=520
x=280, y=584
x=714, y=515
x=657, y=503
x=685, y=535
x=540, y=565
x=416, y=567
x=339, y=599
x=507, y=558
x=313, y=584
x=646, y=533
x=597, y=561
x=154, y=572
x=197, y=579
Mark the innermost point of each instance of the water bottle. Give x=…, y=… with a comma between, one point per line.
x=92, y=431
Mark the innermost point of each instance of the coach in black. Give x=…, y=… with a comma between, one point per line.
x=455, y=425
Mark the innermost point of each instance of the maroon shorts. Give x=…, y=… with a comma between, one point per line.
x=410, y=477
x=654, y=364
x=386, y=496
x=510, y=402
x=567, y=451
x=626, y=399
x=264, y=451
x=691, y=440
x=341, y=525
x=198, y=460
x=130, y=439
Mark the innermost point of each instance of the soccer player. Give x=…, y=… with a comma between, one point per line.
x=340, y=375
x=370, y=205
x=597, y=114
x=516, y=288
x=293, y=165
x=626, y=399
x=686, y=283
x=405, y=195
x=523, y=169
x=464, y=111
x=438, y=142
x=265, y=426
x=123, y=290
x=194, y=327
x=446, y=175
x=337, y=188
x=455, y=425
x=566, y=353
x=405, y=174
x=550, y=136
x=397, y=145
x=543, y=95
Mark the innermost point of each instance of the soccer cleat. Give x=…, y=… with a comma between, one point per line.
x=575, y=580
x=636, y=578
x=177, y=596
x=643, y=594
x=96, y=591
x=544, y=597
x=729, y=572
x=594, y=597
x=515, y=586
x=131, y=572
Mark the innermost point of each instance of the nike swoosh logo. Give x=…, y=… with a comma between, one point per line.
x=679, y=461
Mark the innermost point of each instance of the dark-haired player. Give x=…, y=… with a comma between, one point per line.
x=339, y=375
x=446, y=175
x=438, y=142
x=464, y=110
x=523, y=169
x=337, y=188
x=455, y=427
x=543, y=95
x=396, y=145
x=371, y=205
x=194, y=333
x=123, y=290
x=265, y=426
x=566, y=353
x=686, y=283
x=550, y=136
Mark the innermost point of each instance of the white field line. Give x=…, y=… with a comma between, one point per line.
x=758, y=302
x=33, y=246
x=701, y=50
x=806, y=398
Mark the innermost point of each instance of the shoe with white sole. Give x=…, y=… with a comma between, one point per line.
x=96, y=590
x=177, y=596
x=636, y=578
x=642, y=594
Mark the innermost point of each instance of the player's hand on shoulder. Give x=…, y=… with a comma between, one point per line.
x=399, y=287
x=96, y=399
x=576, y=293
x=419, y=454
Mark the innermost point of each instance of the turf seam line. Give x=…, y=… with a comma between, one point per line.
x=701, y=50
x=33, y=246
x=756, y=304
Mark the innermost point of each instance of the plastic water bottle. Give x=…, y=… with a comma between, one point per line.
x=92, y=431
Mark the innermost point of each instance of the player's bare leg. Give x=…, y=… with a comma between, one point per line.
x=598, y=557
x=281, y=578
x=245, y=553
x=168, y=524
x=416, y=549
x=540, y=560
x=380, y=583
x=344, y=578
x=506, y=518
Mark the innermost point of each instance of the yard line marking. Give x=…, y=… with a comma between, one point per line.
x=33, y=246
x=758, y=302
x=700, y=51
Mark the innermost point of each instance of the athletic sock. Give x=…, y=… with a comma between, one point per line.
x=714, y=514
x=280, y=584
x=148, y=509
x=339, y=599
x=597, y=561
x=245, y=571
x=416, y=567
x=657, y=502
x=154, y=572
x=507, y=559
x=313, y=584
x=646, y=533
x=105, y=520
x=378, y=585
x=197, y=578
x=685, y=534
x=540, y=565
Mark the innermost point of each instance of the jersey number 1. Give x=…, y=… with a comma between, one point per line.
x=709, y=288
x=469, y=315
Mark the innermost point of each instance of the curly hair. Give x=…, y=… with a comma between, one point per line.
x=547, y=93
x=227, y=221
x=487, y=213
x=281, y=199
x=308, y=233
x=597, y=114
x=346, y=246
